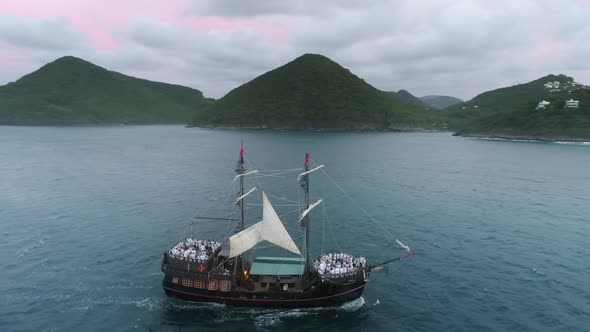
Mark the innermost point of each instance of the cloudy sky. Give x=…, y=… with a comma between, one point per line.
x=453, y=47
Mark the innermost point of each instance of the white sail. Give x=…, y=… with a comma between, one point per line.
x=308, y=210
x=270, y=229
x=403, y=245
x=310, y=171
x=245, y=174
x=244, y=195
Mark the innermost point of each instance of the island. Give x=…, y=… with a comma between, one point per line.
x=72, y=91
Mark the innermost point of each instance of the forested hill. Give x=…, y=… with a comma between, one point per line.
x=70, y=90
x=440, y=102
x=512, y=112
x=407, y=98
x=310, y=92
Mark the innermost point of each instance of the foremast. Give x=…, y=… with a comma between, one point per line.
x=304, y=217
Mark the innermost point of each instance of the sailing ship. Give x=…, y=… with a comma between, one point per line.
x=200, y=270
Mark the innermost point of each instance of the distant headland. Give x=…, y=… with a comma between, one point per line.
x=311, y=92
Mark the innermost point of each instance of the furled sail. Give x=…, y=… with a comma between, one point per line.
x=270, y=229
x=244, y=195
x=308, y=210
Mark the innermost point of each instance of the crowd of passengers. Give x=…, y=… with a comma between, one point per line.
x=337, y=264
x=190, y=248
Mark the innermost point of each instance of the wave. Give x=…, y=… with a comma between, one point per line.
x=572, y=143
x=29, y=248
x=530, y=140
x=276, y=316
x=506, y=139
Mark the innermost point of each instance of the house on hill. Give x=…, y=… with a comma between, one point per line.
x=572, y=103
x=542, y=104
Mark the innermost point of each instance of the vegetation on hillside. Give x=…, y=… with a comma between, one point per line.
x=512, y=111
x=409, y=99
x=555, y=121
x=73, y=91
x=312, y=91
x=440, y=102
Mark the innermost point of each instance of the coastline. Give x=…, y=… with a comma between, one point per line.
x=323, y=129
x=109, y=124
x=525, y=137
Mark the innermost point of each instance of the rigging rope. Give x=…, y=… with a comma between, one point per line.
x=359, y=207
x=262, y=189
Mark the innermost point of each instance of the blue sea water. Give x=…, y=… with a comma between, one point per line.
x=500, y=228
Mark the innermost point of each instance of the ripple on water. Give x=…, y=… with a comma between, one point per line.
x=500, y=229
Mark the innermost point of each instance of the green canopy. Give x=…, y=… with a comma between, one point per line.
x=277, y=266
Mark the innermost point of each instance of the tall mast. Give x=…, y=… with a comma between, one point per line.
x=305, y=221
x=241, y=169
x=304, y=217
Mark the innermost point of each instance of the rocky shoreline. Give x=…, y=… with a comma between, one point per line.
x=525, y=137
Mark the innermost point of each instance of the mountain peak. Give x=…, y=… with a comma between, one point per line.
x=71, y=60
x=68, y=58
x=312, y=91
x=409, y=99
x=440, y=102
x=311, y=60
x=311, y=56
x=559, y=77
x=70, y=90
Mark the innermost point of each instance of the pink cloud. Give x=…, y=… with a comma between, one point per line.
x=12, y=63
x=547, y=50
x=100, y=20
x=5, y=62
x=274, y=27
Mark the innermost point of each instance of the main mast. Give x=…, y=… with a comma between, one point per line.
x=304, y=217
x=241, y=169
x=305, y=221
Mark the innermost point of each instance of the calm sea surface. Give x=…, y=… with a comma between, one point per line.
x=501, y=228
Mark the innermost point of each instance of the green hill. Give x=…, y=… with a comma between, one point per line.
x=512, y=97
x=73, y=91
x=440, y=102
x=511, y=112
x=409, y=99
x=312, y=91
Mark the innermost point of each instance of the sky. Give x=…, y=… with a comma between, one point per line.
x=447, y=47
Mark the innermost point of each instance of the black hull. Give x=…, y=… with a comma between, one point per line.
x=324, y=295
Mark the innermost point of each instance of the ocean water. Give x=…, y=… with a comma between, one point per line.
x=501, y=229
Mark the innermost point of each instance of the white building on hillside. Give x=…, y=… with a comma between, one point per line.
x=542, y=104
x=572, y=103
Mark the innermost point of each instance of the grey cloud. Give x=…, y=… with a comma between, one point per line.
x=253, y=8
x=128, y=59
x=43, y=34
x=211, y=61
x=460, y=47
x=154, y=34
x=242, y=8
